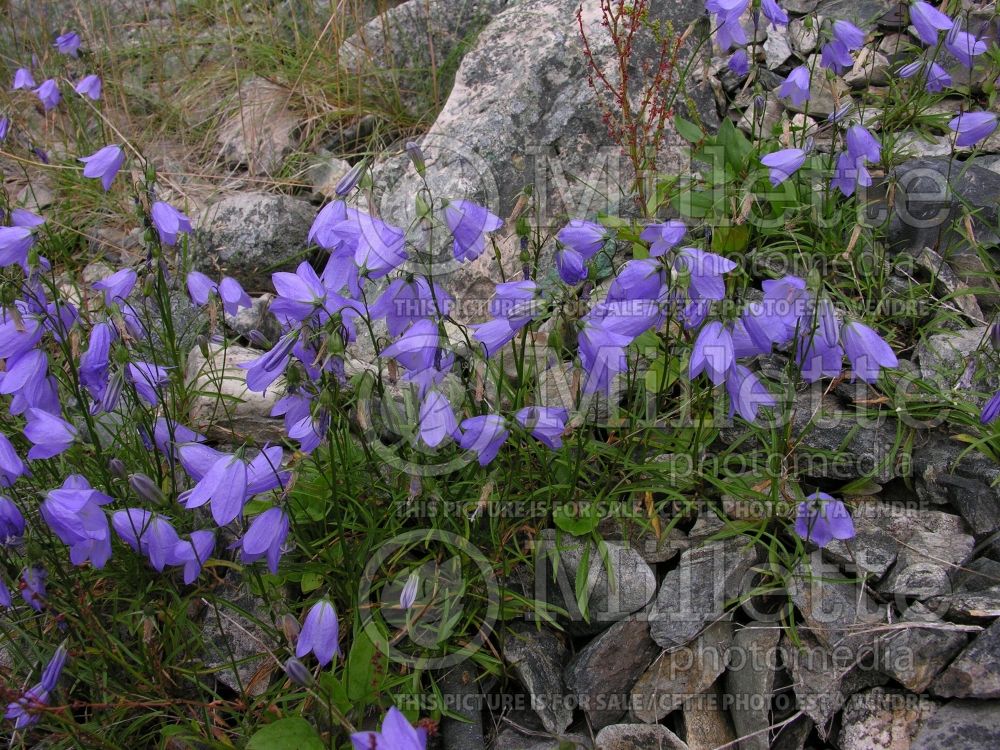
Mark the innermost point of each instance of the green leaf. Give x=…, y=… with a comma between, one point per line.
x=286, y=734
x=365, y=669
x=688, y=130
x=311, y=582
x=735, y=146
x=570, y=518
x=732, y=239
x=582, y=587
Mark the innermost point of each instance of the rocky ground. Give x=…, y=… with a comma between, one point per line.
x=907, y=655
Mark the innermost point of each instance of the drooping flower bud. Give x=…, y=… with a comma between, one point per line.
x=146, y=488
x=297, y=672
x=117, y=467
x=416, y=156
x=350, y=180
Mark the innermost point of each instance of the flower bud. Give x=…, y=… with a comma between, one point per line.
x=146, y=488
x=117, y=467
x=297, y=672
x=259, y=339
x=995, y=335
x=416, y=156
x=290, y=627
x=350, y=180
x=409, y=593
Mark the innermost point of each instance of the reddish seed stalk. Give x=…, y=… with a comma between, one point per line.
x=640, y=130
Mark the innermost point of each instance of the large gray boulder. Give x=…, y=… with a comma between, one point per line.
x=249, y=235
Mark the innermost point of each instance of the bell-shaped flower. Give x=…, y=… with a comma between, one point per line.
x=320, y=633
x=28, y=708
x=149, y=534
x=774, y=12
x=835, y=56
x=89, y=86
x=545, y=423
x=973, y=127
x=663, y=237
x=15, y=243
x=381, y=247
x=270, y=366
x=300, y=294
x=821, y=519
x=11, y=522
x=585, y=237
x=53, y=670
x=200, y=287
x=397, y=734
x=796, y=86
x=117, y=286
x=991, y=409
x=49, y=433
x=68, y=43
x=729, y=32
x=484, y=435
x=783, y=164
x=11, y=465
x=265, y=538
x=148, y=380
x=928, y=21
x=169, y=222
x=739, y=63
x=419, y=351
x=233, y=296
x=436, y=420
x=48, y=94
x=640, y=279
x=848, y=34
x=964, y=46
x=404, y=302
x=224, y=486
x=861, y=144
x=469, y=223
x=571, y=266
x=866, y=350
x=193, y=553
x=746, y=393
x=712, y=353
x=104, y=164
x=23, y=79
x=816, y=358
x=94, y=362
x=74, y=514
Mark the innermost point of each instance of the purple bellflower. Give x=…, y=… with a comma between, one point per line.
x=89, y=86
x=404, y=302
x=33, y=589
x=397, y=734
x=739, y=63
x=436, y=420
x=193, y=553
x=663, y=237
x=783, y=164
x=964, y=46
x=74, y=514
x=117, y=286
x=585, y=237
x=408, y=594
x=320, y=633
x=265, y=538
x=11, y=465
x=861, y=144
x=746, y=393
x=23, y=79
x=545, y=423
x=149, y=534
x=973, y=127
x=836, y=57
x=774, y=12
x=104, y=163
x=169, y=222
x=484, y=435
x=11, y=523
x=821, y=519
x=928, y=21
x=49, y=433
x=796, y=86
x=148, y=380
x=937, y=77
x=866, y=350
x=571, y=266
x=48, y=94
x=991, y=409
x=712, y=353
x=68, y=43
x=469, y=223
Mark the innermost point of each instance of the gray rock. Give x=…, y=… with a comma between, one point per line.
x=883, y=720
x=511, y=739
x=706, y=725
x=521, y=112
x=750, y=680
x=683, y=674
x=629, y=588
x=777, y=47
x=406, y=51
x=461, y=686
x=912, y=144
x=236, y=645
x=251, y=321
x=638, y=737
x=325, y=173
x=839, y=615
x=603, y=673
x=671, y=543
x=932, y=195
x=859, y=12
x=969, y=485
x=803, y=39
x=223, y=408
x=919, y=649
x=824, y=96
x=976, y=671
x=870, y=68
x=258, y=130
x=970, y=725
x=249, y=235
x=537, y=658
x=949, y=287
x=952, y=361
x=695, y=593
